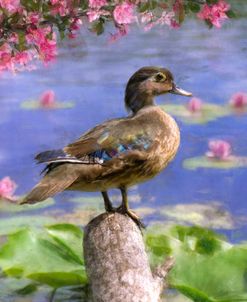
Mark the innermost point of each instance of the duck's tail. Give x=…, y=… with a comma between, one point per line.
x=57, y=180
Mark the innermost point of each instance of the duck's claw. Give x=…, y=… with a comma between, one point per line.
x=132, y=215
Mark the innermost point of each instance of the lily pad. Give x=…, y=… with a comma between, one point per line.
x=12, y=224
x=211, y=215
x=7, y=206
x=80, y=216
x=94, y=201
x=35, y=105
x=208, y=113
x=205, y=162
x=45, y=256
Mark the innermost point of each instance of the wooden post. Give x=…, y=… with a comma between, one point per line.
x=117, y=264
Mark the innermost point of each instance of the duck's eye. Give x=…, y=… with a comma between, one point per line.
x=160, y=77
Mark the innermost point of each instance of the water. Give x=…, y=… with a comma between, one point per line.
x=92, y=73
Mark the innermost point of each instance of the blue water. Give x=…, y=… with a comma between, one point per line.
x=92, y=73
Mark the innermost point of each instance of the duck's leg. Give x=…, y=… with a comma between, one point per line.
x=107, y=202
x=124, y=208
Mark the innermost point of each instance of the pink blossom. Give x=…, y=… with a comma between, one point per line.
x=33, y=18
x=168, y=19
x=7, y=188
x=10, y=61
x=219, y=149
x=6, y=59
x=47, y=99
x=95, y=14
x=45, y=41
x=13, y=38
x=147, y=17
x=60, y=7
x=10, y=5
x=97, y=3
x=23, y=57
x=75, y=24
x=194, y=105
x=239, y=100
x=124, y=13
x=215, y=13
x=122, y=31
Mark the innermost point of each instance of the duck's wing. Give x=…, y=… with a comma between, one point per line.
x=110, y=140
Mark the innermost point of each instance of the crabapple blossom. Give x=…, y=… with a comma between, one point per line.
x=10, y=5
x=124, y=13
x=97, y=3
x=215, y=13
x=29, y=32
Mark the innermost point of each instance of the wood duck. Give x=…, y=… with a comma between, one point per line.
x=118, y=153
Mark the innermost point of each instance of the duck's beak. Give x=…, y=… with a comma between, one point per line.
x=177, y=90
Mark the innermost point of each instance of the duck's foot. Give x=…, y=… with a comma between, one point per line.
x=132, y=215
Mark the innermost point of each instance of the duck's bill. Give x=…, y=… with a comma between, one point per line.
x=177, y=90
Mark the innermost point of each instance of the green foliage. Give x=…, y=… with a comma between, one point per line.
x=52, y=256
x=207, y=269
x=194, y=7
x=15, y=223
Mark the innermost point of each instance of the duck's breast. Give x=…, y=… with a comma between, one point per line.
x=166, y=139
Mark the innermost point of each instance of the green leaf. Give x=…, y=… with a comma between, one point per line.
x=194, y=7
x=193, y=293
x=12, y=224
x=26, y=290
x=43, y=257
x=68, y=236
x=207, y=268
x=22, y=40
x=231, y=14
x=98, y=27
x=143, y=7
x=212, y=1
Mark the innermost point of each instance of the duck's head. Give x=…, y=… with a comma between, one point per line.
x=148, y=82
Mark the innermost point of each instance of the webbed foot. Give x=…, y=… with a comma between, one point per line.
x=132, y=215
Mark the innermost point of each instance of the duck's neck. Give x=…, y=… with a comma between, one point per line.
x=136, y=100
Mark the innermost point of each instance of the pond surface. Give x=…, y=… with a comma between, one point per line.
x=92, y=73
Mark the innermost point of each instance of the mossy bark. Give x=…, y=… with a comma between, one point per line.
x=117, y=264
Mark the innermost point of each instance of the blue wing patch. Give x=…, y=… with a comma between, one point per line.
x=101, y=156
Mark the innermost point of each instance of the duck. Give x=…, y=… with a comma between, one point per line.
x=118, y=153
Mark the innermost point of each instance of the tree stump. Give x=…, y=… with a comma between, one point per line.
x=117, y=264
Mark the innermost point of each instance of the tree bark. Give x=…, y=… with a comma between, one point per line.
x=117, y=264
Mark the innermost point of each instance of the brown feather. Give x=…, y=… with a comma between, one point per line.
x=58, y=180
